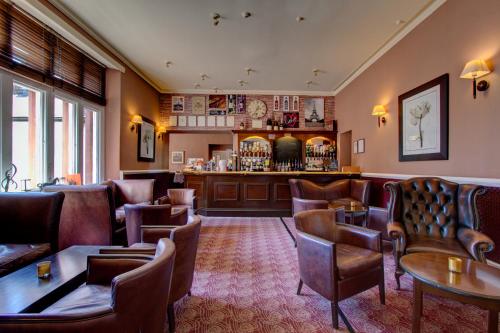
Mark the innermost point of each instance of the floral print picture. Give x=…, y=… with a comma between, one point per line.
x=424, y=122
x=146, y=141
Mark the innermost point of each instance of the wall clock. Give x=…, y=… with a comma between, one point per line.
x=256, y=109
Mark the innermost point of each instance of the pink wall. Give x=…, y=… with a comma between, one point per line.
x=112, y=124
x=457, y=32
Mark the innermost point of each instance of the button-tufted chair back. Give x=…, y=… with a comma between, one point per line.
x=429, y=207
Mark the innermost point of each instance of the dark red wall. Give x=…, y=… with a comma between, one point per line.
x=488, y=206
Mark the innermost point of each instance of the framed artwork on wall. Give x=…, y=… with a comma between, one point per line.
x=231, y=104
x=177, y=157
x=295, y=103
x=361, y=146
x=198, y=105
x=276, y=103
x=217, y=104
x=314, y=112
x=146, y=141
x=177, y=103
x=182, y=121
x=286, y=103
x=423, y=122
x=241, y=104
x=172, y=121
x=291, y=119
x=355, y=147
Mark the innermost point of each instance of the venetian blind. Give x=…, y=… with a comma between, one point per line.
x=31, y=49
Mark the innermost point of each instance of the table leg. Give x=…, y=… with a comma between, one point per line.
x=417, y=306
x=365, y=220
x=492, y=321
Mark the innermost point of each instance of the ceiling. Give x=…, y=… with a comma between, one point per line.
x=336, y=37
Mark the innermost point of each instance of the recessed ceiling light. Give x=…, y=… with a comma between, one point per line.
x=316, y=71
x=300, y=18
x=246, y=14
x=309, y=83
x=216, y=89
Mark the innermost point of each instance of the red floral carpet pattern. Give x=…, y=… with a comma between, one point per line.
x=246, y=278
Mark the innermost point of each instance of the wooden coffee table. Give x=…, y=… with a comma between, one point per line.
x=22, y=291
x=352, y=212
x=478, y=284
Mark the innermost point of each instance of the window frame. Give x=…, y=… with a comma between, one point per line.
x=49, y=93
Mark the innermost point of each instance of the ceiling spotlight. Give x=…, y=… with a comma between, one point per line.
x=197, y=85
x=216, y=89
x=399, y=22
x=316, y=71
x=203, y=76
x=242, y=82
x=168, y=63
x=300, y=18
x=249, y=70
x=246, y=14
x=309, y=83
x=216, y=19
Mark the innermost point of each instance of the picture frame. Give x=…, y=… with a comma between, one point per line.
x=198, y=105
x=424, y=121
x=276, y=103
x=314, y=112
x=217, y=104
x=146, y=140
x=177, y=157
x=286, y=103
x=241, y=104
x=182, y=121
x=177, y=104
x=295, y=103
x=361, y=146
x=291, y=120
x=355, y=147
x=231, y=104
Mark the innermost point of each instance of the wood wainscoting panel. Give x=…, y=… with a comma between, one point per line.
x=282, y=192
x=226, y=191
x=256, y=191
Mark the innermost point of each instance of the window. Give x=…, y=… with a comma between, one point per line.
x=64, y=138
x=27, y=135
x=90, y=146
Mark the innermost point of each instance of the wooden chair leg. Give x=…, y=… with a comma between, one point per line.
x=381, y=287
x=335, y=315
x=300, y=287
x=171, y=318
x=189, y=293
x=398, y=272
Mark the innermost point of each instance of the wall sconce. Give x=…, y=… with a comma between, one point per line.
x=379, y=111
x=475, y=69
x=162, y=130
x=136, y=121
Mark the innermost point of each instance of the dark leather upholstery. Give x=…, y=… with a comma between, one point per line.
x=429, y=214
x=180, y=198
x=377, y=220
x=337, y=260
x=87, y=215
x=340, y=192
x=30, y=227
x=116, y=297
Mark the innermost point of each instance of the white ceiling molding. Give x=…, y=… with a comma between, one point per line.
x=42, y=13
x=412, y=24
x=247, y=92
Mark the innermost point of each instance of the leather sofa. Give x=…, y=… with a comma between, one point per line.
x=428, y=214
x=87, y=216
x=30, y=227
x=118, y=297
x=180, y=198
x=337, y=260
x=139, y=215
x=307, y=195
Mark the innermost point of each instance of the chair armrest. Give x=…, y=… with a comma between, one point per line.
x=180, y=217
x=357, y=236
x=130, y=250
x=317, y=263
x=300, y=205
x=397, y=233
x=164, y=200
x=476, y=243
x=101, y=269
x=153, y=233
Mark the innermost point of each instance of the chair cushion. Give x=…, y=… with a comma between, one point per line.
x=87, y=297
x=443, y=245
x=15, y=256
x=353, y=260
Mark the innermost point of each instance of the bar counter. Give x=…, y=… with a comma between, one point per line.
x=243, y=193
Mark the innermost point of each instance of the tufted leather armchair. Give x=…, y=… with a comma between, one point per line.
x=307, y=195
x=435, y=215
x=337, y=260
x=124, y=293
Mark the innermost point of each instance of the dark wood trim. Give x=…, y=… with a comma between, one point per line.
x=245, y=191
x=443, y=82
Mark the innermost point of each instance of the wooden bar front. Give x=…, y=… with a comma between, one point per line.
x=250, y=193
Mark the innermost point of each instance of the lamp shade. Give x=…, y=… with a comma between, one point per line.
x=474, y=69
x=137, y=119
x=378, y=111
x=162, y=129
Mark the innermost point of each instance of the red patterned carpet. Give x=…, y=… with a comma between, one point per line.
x=246, y=278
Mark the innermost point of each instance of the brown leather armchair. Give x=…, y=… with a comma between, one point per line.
x=139, y=215
x=30, y=228
x=435, y=215
x=337, y=260
x=186, y=243
x=117, y=297
x=87, y=216
x=307, y=195
x=180, y=198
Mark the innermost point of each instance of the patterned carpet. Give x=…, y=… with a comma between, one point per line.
x=246, y=278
